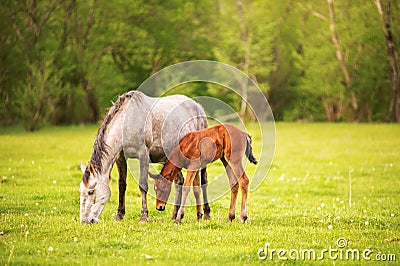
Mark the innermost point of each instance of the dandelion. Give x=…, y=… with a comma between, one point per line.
x=273, y=200
x=54, y=181
x=219, y=238
x=296, y=195
x=366, y=223
x=75, y=239
x=330, y=227
x=26, y=214
x=392, y=215
x=147, y=256
x=50, y=249
x=322, y=205
x=337, y=199
x=365, y=211
x=37, y=204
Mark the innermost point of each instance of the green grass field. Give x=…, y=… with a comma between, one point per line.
x=302, y=206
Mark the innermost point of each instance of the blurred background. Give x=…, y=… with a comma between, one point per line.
x=63, y=61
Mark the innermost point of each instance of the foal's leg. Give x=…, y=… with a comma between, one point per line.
x=196, y=192
x=238, y=170
x=122, y=170
x=234, y=188
x=244, y=184
x=232, y=206
x=144, y=185
x=204, y=184
x=178, y=194
x=185, y=191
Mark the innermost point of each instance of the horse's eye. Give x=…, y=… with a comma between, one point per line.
x=90, y=192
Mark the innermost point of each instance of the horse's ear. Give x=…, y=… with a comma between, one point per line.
x=155, y=177
x=91, y=168
x=83, y=167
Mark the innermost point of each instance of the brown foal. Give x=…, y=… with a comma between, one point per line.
x=199, y=148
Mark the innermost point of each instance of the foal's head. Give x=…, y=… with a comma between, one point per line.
x=162, y=187
x=95, y=193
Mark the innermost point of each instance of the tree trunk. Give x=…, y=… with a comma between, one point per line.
x=342, y=60
x=92, y=102
x=393, y=58
x=244, y=36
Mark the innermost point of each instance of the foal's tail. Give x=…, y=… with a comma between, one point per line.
x=249, y=150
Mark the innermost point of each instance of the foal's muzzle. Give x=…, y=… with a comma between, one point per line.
x=161, y=208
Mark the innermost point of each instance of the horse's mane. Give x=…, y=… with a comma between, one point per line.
x=100, y=148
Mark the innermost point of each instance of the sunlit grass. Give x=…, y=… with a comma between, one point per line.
x=302, y=204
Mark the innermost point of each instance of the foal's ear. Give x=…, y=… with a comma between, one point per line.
x=155, y=177
x=83, y=167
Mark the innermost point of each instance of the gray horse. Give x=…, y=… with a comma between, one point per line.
x=142, y=127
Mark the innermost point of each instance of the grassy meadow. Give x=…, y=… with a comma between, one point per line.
x=302, y=205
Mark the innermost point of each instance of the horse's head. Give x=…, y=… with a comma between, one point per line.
x=95, y=192
x=162, y=187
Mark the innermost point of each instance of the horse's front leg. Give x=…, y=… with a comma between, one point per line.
x=122, y=170
x=185, y=191
x=144, y=185
x=178, y=194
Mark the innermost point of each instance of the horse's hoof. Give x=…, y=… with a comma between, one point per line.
x=231, y=217
x=206, y=217
x=119, y=217
x=177, y=222
x=199, y=216
x=143, y=220
x=243, y=219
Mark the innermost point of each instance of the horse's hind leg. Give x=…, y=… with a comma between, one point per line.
x=122, y=170
x=244, y=184
x=144, y=185
x=204, y=184
x=178, y=193
x=196, y=192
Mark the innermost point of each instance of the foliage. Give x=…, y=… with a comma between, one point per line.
x=303, y=203
x=101, y=49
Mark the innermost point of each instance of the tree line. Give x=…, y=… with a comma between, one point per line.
x=62, y=61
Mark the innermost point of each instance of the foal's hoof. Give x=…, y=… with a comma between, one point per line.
x=206, y=217
x=199, y=216
x=243, y=219
x=231, y=217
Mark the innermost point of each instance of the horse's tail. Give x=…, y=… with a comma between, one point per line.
x=249, y=150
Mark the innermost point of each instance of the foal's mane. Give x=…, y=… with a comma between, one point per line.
x=100, y=148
